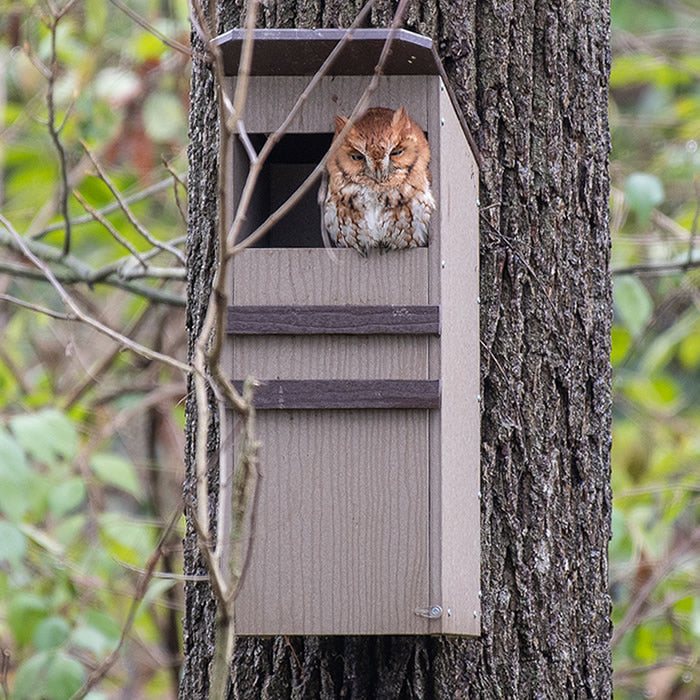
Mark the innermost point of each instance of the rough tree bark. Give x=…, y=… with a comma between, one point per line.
x=531, y=77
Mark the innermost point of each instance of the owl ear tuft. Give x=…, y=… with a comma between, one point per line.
x=400, y=119
x=340, y=122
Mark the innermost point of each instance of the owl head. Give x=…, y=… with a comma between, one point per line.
x=381, y=149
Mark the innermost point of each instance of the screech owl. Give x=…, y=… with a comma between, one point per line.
x=379, y=183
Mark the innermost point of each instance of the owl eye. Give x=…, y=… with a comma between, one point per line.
x=397, y=152
x=357, y=156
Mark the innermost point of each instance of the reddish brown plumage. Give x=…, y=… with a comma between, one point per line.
x=379, y=183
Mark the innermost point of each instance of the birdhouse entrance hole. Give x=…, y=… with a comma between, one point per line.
x=290, y=162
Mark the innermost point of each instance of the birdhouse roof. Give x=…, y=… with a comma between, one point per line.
x=295, y=52
x=302, y=52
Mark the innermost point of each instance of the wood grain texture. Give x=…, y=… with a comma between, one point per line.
x=272, y=97
x=336, y=320
x=329, y=357
x=287, y=394
x=352, y=485
x=304, y=276
x=460, y=435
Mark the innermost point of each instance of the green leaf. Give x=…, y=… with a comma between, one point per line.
x=643, y=192
x=621, y=342
x=632, y=303
x=164, y=117
x=46, y=435
x=12, y=545
x=50, y=633
x=48, y=675
x=25, y=612
x=114, y=470
x=67, y=496
x=93, y=639
x=14, y=474
x=12, y=459
x=31, y=678
x=65, y=677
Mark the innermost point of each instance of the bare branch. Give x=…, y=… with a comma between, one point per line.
x=112, y=230
x=108, y=209
x=39, y=309
x=177, y=181
x=663, y=268
x=141, y=588
x=136, y=17
x=127, y=211
x=94, y=323
x=75, y=271
x=54, y=131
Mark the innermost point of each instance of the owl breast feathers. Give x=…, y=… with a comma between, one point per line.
x=379, y=183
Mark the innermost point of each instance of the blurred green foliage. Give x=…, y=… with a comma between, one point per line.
x=86, y=489
x=655, y=170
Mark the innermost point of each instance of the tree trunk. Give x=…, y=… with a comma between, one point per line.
x=531, y=77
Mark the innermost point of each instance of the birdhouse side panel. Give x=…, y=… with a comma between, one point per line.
x=460, y=440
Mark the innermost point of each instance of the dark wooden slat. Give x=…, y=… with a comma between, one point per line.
x=337, y=320
x=345, y=393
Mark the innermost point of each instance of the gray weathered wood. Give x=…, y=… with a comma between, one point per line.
x=351, y=485
x=343, y=320
x=330, y=357
x=276, y=95
x=285, y=394
x=459, y=459
x=308, y=276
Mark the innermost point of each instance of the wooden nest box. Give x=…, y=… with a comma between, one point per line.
x=367, y=516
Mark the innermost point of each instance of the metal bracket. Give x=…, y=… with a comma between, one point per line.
x=434, y=612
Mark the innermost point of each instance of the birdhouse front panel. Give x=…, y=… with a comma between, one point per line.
x=367, y=519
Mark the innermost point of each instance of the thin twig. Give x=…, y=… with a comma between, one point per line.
x=273, y=139
x=94, y=373
x=136, y=17
x=656, y=268
x=64, y=188
x=643, y=594
x=127, y=210
x=94, y=323
x=177, y=181
x=150, y=293
x=110, y=227
x=141, y=588
x=107, y=209
x=39, y=309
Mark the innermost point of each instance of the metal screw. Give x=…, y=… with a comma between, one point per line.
x=480, y=594
x=449, y=612
x=478, y=300
x=478, y=495
x=443, y=264
x=478, y=398
x=442, y=122
x=476, y=614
